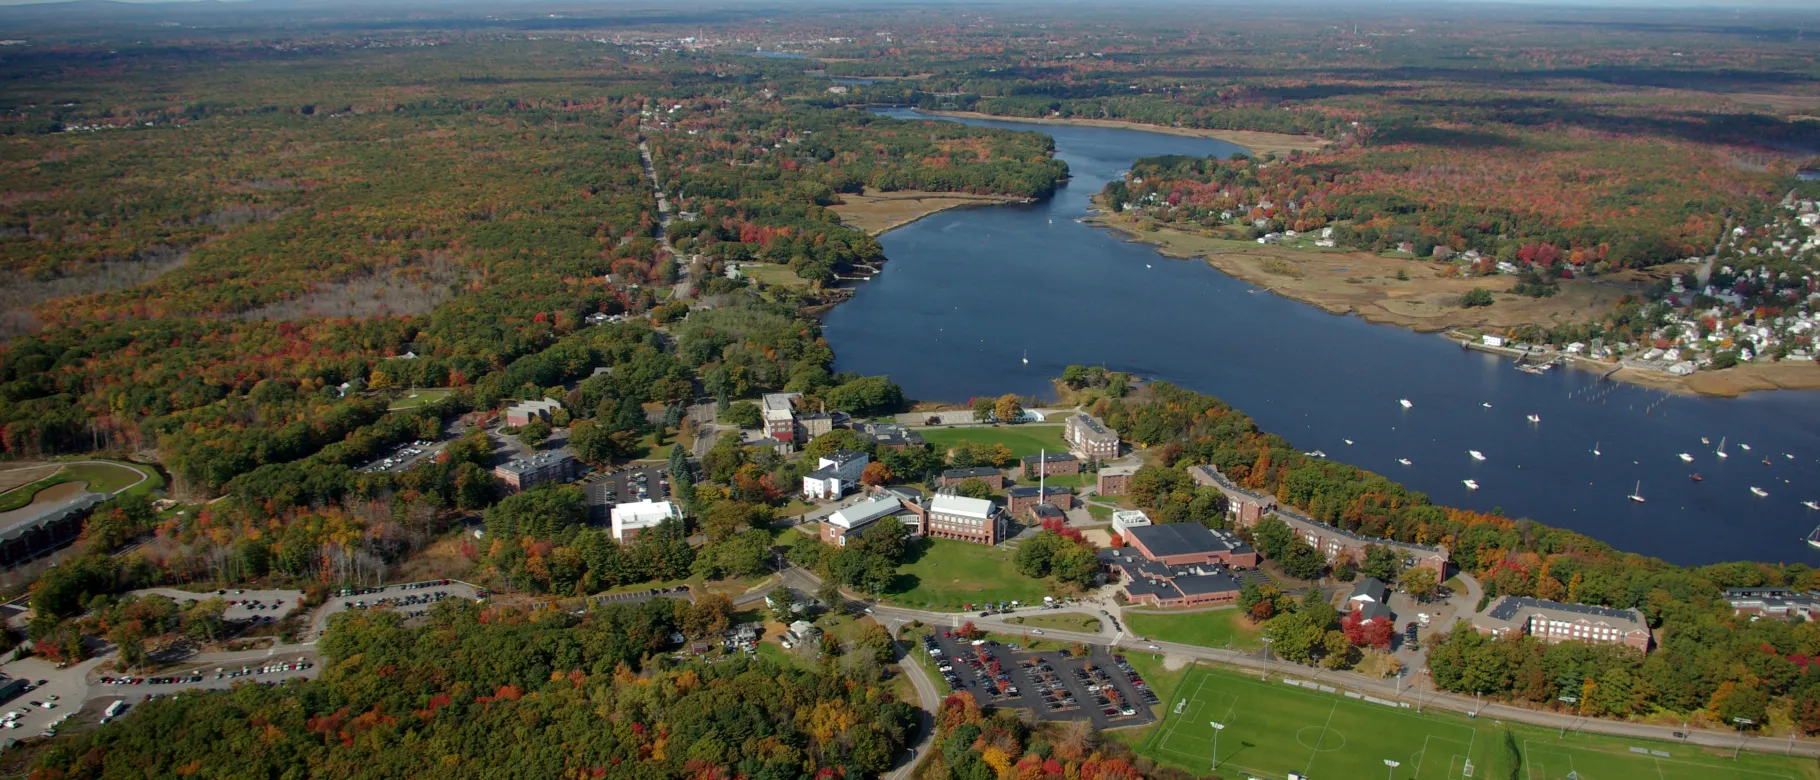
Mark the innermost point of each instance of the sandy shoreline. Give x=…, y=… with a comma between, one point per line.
x=1366, y=285
x=1254, y=141
x=880, y=212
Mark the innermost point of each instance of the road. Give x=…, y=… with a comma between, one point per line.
x=1423, y=695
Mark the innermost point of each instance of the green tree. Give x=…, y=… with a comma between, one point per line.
x=1477, y=296
x=534, y=433
x=974, y=488
x=743, y=414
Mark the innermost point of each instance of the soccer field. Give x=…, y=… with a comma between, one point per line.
x=1275, y=728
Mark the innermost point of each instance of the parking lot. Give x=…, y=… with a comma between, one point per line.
x=1100, y=687
x=402, y=457
x=412, y=598
x=626, y=485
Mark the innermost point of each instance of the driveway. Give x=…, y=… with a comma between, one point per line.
x=269, y=605
x=411, y=598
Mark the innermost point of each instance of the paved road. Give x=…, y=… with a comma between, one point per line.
x=407, y=597
x=242, y=604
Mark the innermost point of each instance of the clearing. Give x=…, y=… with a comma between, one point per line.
x=1022, y=439
x=1219, y=628
x=943, y=574
x=876, y=212
x=1291, y=724
x=415, y=398
x=104, y=477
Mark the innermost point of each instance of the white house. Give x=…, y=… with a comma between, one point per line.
x=1491, y=341
x=629, y=520
x=834, y=475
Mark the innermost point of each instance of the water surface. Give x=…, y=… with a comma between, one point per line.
x=968, y=293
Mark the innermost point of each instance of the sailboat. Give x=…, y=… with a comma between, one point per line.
x=1405, y=402
x=1636, y=493
x=1704, y=440
x=1813, y=537
x=1595, y=448
x=1686, y=458
x=1745, y=447
x=1405, y=461
x=1759, y=492
x=1721, y=451
x=1535, y=418
x=1476, y=455
x=1811, y=505
x=1470, y=485
x=1026, y=357
x=1486, y=404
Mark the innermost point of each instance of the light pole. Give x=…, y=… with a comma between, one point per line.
x=1392, y=773
x=1418, y=687
x=1740, y=724
x=1266, y=675
x=1574, y=701
x=1217, y=728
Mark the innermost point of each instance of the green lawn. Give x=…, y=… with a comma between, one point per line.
x=1022, y=439
x=415, y=398
x=102, y=477
x=943, y=574
x=1066, y=621
x=1273, y=728
x=1207, y=629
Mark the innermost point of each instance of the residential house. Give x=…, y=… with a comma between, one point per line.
x=835, y=474
x=523, y=472
x=1371, y=599
x=630, y=520
x=1050, y=464
x=964, y=519
x=521, y=414
x=1554, y=621
x=987, y=474
x=1087, y=437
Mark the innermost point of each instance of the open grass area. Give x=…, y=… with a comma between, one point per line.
x=1274, y=728
x=778, y=275
x=415, y=398
x=943, y=574
x=1207, y=629
x=100, y=476
x=1022, y=439
x=1066, y=621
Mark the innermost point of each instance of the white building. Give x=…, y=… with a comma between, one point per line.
x=1124, y=519
x=629, y=520
x=835, y=474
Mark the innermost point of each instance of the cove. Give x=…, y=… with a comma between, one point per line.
x=966, y=293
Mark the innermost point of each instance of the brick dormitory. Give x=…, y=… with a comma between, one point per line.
x=1178, y=564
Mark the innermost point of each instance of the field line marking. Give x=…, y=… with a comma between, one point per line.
x=1315, y=752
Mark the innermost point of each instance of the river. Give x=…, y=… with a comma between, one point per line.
x=968, y=293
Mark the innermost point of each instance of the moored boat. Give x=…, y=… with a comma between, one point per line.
x=1476, y=455
x=1470, y=485
x=1759, y=492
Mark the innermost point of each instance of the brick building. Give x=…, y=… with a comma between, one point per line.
x=964, y=519
x=522, y=473
x=1050, y=464
x=1176, y=564
x=1115, y=480
x=1555, y=621
x=521, y=414
x=1774, y=602
x=1090, y=438
x=1245, y=508
x=883, y=505
x=631, y=519
x=1019, y=500
x=1186, y=544
x=987, y=474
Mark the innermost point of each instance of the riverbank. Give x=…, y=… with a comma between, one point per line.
x=1731, y=382
x=1347, y=282
x=1257, y=142
x=877, y=212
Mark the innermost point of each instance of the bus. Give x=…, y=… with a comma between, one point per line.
x=115, y=708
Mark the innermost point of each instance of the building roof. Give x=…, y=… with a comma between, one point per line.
x=43, y=513
x=1208, y=475
x=1048, y=511
x=1119, y=470
x=843, y=457
x=535, y=407
x=1512, y=610
x=962, y=506
x=975, y=472
x=892, y=434
x=1147, y=577
x=1372, y=610
x=825, y=472
x=643, y=514
x=537, y=462
x=1053, y=457
x=1032, y=491
x=907, y=493
x=1129, y=518
x=865, y=512
x=779, y=406
x=1091, y=428
x=1171, y=539
x=1370, y=588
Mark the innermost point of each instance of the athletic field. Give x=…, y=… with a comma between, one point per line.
x=1275, y=728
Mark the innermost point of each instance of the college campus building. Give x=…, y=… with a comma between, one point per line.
x=1245, y=508
x=1090, y=438
x=964, y=519
x=1176, y=564
x=1774, y=602
x=1123, y=520
x=521, y=414
x=1020, y=500
x=835, y=474
x=1115, y=480
x=523, y=472
x=1371, y=599
x=1050, y=464
x=891, y=436
x=987, y=474
x=630, y=520
x=895, y=504
x=779, y=411
x=1554, y=621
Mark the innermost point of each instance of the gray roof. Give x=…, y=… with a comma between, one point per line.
x=1373, y=610
x=1509, y=608
x=845, y=456
x=1054, y=457
x=976, y=471
x=1372, y=587
x=539, y=461
x=1167, y=539
x=1032, y=491
x=1145, y=576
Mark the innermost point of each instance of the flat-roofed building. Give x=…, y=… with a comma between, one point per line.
x=1114, y=480
x=1184, y=544
x=1774, y=602
x=779, y=411
x=1019, y=500
x=536, y=469
x=1245, y=508
x=521, y=414
x=1147, y=581
x=1089, y=438
x=630, y=520
x=993, y=478
x=1123, y=520
x=1555, y=621
x=1050, y=464
x=964, y=519
x=835, y=528
x=835, y=474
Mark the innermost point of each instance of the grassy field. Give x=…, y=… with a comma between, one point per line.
x=1207, y=629
x=1273, y=728
x=944, y=574
x=415, y=398
x=1066, y=621
x=1022, y=439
